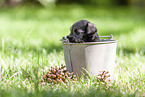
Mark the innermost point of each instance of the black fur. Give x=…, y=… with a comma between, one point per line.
x=83, y=31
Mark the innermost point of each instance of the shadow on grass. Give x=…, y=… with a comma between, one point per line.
x=38, y=50
x=125, y=51
x=128, y=51
x=53, y=47
x=48, y=49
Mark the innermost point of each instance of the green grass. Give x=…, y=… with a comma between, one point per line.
x=30, y=45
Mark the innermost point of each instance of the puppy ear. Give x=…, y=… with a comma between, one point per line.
x=88, y=28
x=91, y=28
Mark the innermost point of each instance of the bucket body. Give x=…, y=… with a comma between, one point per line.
x=92, y=57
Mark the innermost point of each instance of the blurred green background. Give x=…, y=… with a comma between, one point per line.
x=84, y=2
x=30, y=33
x=36, y=23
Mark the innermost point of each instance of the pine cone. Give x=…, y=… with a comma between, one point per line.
x=58, y=75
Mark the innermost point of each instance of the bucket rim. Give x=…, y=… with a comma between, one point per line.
x=102, y=42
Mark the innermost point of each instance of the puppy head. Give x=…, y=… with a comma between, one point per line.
x=79, y=28
x=91, y=29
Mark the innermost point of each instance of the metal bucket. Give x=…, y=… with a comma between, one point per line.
x=90, y=56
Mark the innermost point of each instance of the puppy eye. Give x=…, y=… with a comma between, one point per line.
x=77, y=32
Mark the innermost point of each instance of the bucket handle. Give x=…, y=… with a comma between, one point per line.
x=66, y=40
x=109, y=37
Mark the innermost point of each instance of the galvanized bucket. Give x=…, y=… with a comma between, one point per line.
x=92, y=57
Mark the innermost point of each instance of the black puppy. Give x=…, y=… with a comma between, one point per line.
x=83, y=31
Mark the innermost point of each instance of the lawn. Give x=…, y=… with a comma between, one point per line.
x=30, y=45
